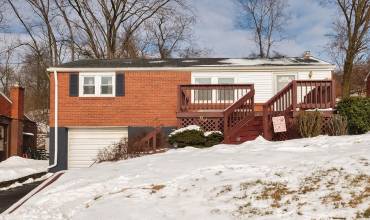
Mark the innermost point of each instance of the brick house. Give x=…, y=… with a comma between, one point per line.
x=101, y=101
x=17, y=131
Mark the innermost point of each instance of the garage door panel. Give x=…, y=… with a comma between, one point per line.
x=101, y=141
x=84, y=144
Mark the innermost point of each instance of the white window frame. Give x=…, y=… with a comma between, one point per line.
x=214, y=80
x=276, y=75
x=193, y=100
x=218, y=94
x=97, y=76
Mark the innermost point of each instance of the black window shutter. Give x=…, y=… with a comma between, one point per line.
x=73, y=84
x=120, y=84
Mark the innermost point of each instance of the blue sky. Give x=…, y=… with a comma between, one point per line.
x=217, y=28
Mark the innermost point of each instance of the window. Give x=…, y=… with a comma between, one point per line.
x=202, y=95
x=283, y=80
x=106, y=85
x=97, y=84
x=225, y=95
x=89, y=85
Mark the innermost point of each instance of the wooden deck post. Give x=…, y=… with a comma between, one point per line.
x=333, y=95
x=226, y=133
x=294, y=95
x=266, y=131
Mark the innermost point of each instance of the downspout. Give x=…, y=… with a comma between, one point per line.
x=55, y=121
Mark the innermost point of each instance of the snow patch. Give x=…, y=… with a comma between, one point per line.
x=17, y=167
x=207, y=133
x=190, y=61
x=316, y=178
x=190, y=127
x=157, y=61
x=29, y=180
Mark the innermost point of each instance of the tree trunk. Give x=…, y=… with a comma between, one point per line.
x=347, y=71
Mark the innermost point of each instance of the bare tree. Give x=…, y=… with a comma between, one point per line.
x=266, y=19
x=7, y=72
x=2, y=3
x=42, y=8
x=63, y=9
x=351, y=36
x=36, y=82
x=106, y=28
x=168, y=31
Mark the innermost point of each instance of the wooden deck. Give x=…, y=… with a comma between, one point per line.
x=230, y=107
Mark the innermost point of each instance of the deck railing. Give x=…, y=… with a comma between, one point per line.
x=298, y=95
x=238, y=114
x=206, y=97
x=149, y=143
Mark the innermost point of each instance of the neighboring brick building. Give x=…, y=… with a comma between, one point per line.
x=17, y=132
x=102, y=101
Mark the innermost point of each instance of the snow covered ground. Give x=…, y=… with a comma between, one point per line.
x=16, y=167
x=317, y=178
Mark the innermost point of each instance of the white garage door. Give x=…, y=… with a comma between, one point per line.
x=85, y=143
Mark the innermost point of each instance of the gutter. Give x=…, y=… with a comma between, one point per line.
x=55, y=121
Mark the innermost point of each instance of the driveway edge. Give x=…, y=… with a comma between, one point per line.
x=43, y=185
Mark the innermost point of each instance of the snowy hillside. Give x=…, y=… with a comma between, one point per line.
x=322, y=177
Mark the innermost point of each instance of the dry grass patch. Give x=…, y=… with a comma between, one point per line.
x=224, y=189
x=333, y=198
x=342, y=190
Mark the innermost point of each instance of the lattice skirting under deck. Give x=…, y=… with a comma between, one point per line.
x=207, y=124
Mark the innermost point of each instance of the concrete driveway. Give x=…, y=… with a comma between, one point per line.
x=11, y=196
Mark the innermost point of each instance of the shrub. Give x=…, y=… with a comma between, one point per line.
x=357, y=112
x=213, y=138
x=114, y=152
x=309, y=123
x=189, y=136
x=337, y=125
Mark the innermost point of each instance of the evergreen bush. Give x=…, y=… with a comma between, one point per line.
x=193, y=137
x=357, y=112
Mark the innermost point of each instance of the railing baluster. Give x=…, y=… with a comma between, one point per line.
x=320, y=95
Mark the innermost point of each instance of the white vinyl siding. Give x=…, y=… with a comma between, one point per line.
x=264, y=82
x=84, y=144
x=315, y=75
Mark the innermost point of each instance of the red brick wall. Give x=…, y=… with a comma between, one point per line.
x=17, y=97
x=150, y=100
x=5, y=106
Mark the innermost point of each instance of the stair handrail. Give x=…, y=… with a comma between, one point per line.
x=268, y=107
x=151, y=137
x=290, y=98
x=246, y=104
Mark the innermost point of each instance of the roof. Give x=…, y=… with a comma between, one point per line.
x=192, y=62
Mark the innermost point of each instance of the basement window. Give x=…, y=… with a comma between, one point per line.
x=97, y=84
